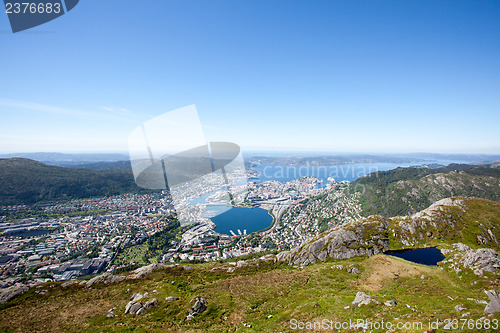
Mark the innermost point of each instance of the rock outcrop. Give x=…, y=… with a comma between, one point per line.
x=150, y=304
x=481, y=260
x=366, y=237
x=445, y=220
x=146, y=270
x=363, y=299
x=12, y=292
x=136, y=297
x=108, y=277
x=98, y=279
x=231, y=267
x=200, y=305
x=134, y=307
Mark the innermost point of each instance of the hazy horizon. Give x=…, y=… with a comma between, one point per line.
x=271, y=153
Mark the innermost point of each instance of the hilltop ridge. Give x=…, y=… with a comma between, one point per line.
x=25, y=181
x=405, y=191
x=472, y=221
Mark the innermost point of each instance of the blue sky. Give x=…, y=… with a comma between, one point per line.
x=340, y=76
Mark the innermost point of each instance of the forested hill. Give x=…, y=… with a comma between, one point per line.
x=405, y=191
x=24, y=181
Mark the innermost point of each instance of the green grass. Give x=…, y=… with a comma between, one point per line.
x=251, y=294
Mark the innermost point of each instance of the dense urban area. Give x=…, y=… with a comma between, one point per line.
x=69, y=239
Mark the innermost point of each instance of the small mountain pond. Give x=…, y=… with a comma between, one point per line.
x=426, y=256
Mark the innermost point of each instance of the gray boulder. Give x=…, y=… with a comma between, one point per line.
x=494, y=305
x=136, y=297
x=390, y=303
x=187, y=268
x=128, y=306
x=151, y=303
x=171, y=298
x=111, y=313
x=461, y=247
x=135, y=307
x=103, y=278
x=200, y=305
x=363, y=299
x=140, y=312
x=353, y=270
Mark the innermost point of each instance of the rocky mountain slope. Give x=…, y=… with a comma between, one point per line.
x=474, y=222
x=368, y=237
x=405, y=191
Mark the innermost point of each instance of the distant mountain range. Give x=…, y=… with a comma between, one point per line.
x=24, y=181
x=336, y=159
x=397, y=192
x=69, y=160
x=102, y=161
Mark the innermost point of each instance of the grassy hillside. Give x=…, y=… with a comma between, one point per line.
x=23, y=181
x=472, y=221
x=269, y=298
x=405, y=191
